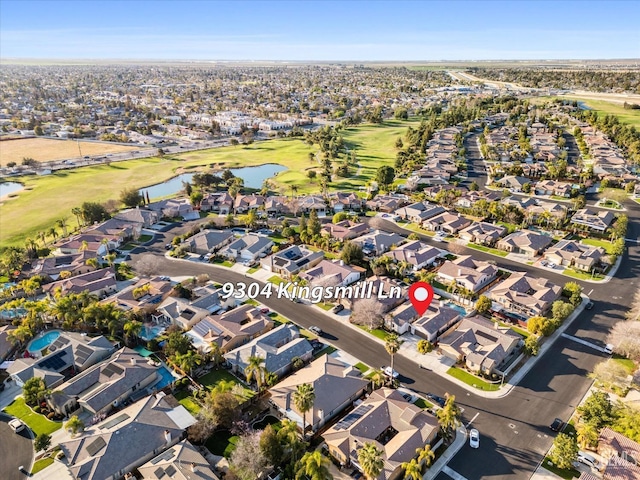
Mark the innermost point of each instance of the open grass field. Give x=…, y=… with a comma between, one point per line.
x=47, y=149
x=46, y=199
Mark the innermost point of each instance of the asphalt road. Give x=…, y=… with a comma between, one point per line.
x=15, y=450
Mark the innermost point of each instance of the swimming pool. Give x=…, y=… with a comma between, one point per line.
x=166, y=377
x=43, y=341
x=147, y=333
x=13, y=313
x=457, y=308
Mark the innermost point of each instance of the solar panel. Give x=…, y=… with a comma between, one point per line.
x=170, y=470
x=95, y=446
x=168, y=455
x=55, y=362
x=115, y=421
x=111, y=370
x=82, y=353
x=353, y=417
x=159, y=472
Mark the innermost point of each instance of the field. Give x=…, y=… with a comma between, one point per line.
x=46, y=199
x=45, y=149
x=630, y=117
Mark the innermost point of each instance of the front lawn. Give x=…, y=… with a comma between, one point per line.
x=36, y=422
x=278, y=319
x=570, y=272
x=325, y=306
x=144, y=238
x=362, y=367
x=224, y=263
x=326, y=350
x=376, y=332
x=41, y=465
x=492, y=251
x=253, y=270
x=628, y=364
x=608, y=246
x=472, y=380
x=566, y=474
x=422, y=403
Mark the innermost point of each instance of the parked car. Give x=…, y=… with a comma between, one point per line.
x=264, y=310
x=608, y=349
x=315, y=330
x=556, y=425
x=168, y=246
x=389, y=372
x=589, y=305
x=439, y=400
x=16, y=425
x=338, y=308
x=587, y=459
x=474, y=438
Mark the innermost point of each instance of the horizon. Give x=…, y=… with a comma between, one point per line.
x=319, y=31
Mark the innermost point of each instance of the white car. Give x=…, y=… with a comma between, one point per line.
x=389, y=372
x=474, y=438
x=315, y=330
x=16, y=425
x=608, y=349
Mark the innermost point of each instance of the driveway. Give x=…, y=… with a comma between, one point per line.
x=15, y=450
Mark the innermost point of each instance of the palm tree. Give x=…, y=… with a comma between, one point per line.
x=303, y=399
x=84, y=246
x=370, y=459
x=251, y=218
x=188, y=361
x=392, y=345
x=587, y=435
x=62, y=223
x=449, y=416
x=110, y=258
x=412, y=470
x=20, y=334
x=215, y=354
x=132, y=329
x=224, y=386
x=92, y=262
x=74, y=425
x=377, y=378
x=52, y=232
x=288, y=434
x=313, y=466
x=230, y=220
x=255, y=369
x=77, y=211
x=42, y=237
x=425, y=455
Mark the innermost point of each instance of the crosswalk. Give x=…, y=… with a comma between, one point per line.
x=583, y=342
x=452, y=473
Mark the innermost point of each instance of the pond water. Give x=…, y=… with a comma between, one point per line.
x=9, y=187
x=252, y=176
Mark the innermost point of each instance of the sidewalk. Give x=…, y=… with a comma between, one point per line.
x=435, y=469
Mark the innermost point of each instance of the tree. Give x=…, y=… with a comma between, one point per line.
x=625, y=336
x=474, y=186
x=187, y=361
x=195, y=198
x=255, y=369
x=367, y=312
x=449, y=416
x=148, y=265
x=270, y=446
x=370, y=459
x=132, y=329
x=611, y=373
x=11, y=260
x=74, y=425
x=426, y=455
x=288, y=435
x=539, y=326
x=385, y=176
x=304, y=398
x=93, y=212
x=42, y=442
x=247, y=461
x=378, y=378
x=313, y=226
x=20, y=334
x=531, y=345
x=572, y=290
x=34, y=390
x=424, y=346
x=340, y=216
x=587, y=435
x=352, y=253
x=412, y=470
x=392, y=345
x=483, y=305
x=222, y=408
x=251, y=218
x=564, y=452
x=313, y=466
x=311, y=174
x=131, y=197
x=229, y=220
x=401, y=113
x=596, y=410
x=561, y=310
x=176, y=343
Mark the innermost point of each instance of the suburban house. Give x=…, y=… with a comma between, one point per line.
x=146, y=218
x=183, y=461
x=291, y=260
x=97, y=282
x=468, y=273
x=116, y=228
x=387, y=203
x=436, y=321
x=52, y=267
x=219, y=202
x=208, y=241
x=180, y=311
x=278, y=347
x=569, y=253
x=230, y=329
x=144, y=295
x=99, y=244
x=551, y=187
x=309, y=202
x=104, y=386
x=378, y=242
x=244, y=203
x=124, y=442
x=450, y=222
x=395, y=426
x=400, y=318
x=512, y=183
x=344, y=230
x=345, y=202
x=381, y=286
x=248, y=248
x=593, y=220
x=415, y=253
x=482, y=233
x=332, y=273
x=525, y=242
x=419, y=211
x=276, y=204
x=340, y=384
x=482, y=347
x=621, y=455
x=175, y=208
x=6, y=345
x=68, y=354
x=525, y=295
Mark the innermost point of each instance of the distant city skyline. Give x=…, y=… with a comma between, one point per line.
x=319, y=30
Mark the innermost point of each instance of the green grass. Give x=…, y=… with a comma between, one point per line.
x=362, y=367
x=253, y=270
x=492, y=251
x=630, y=117
x=566, y=474
x=224, y=263
x=36, y=422
x=422, y=403
x=188, y=402
x=376, y=332
x=41, y=465
x=325, y=306
x=608, y=246
x=276, y=317
x=472, y=380
x=144, y=238
x=211, y=379
x=276, y=280
x=222, y=443
x=570, y=272
x=327, y=350
x=418, y=229
x=625, y=362
x=251, y=301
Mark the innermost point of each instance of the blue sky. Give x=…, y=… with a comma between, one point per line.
x=319, y=30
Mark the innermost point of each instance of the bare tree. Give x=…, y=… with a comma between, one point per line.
x=634, y=310
x=625, y=336
x=247, y=460
x=148, y=265
x=611, y=372
x=202, y=429
x=368, y=312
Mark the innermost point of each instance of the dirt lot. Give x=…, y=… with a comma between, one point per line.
x=45, y=149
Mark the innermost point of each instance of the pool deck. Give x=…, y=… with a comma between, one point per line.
x=39, y=337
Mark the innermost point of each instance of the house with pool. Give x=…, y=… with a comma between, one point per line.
x=106, y=385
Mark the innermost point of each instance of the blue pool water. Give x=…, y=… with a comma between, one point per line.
x=147, y=333
x=13, y=313
x=42, y=342
x=142, y=351
x=458, y=308
x=166, y=377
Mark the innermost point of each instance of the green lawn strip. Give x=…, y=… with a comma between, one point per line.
x=41, y=465
x=212, y=378
x=376, y=332
x=253, y=270
x=325, y=306
x=327, y=350
x=566, y=474
x=625, y=362
x=418, y=229
x=251, y=301
x=276, y=317
x=422, y=403
x=608, y=246
x=520, y=331
x=472, y=380
x=362, y=367
x=187, y=401
x=492, y=251
x=36, y=422
x=276, y=280
x=224, y=263
x=144, y=238
x=570, y=272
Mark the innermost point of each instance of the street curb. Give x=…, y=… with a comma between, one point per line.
x=454, y=448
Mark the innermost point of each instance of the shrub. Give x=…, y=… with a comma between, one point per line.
x=51, y=415
x=36, y=409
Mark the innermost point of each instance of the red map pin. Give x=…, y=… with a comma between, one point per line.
x=421, y=295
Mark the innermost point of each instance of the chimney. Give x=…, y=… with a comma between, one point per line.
x=194, y=468
x=133, y=361
x=342, y=263
x=167, y=436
